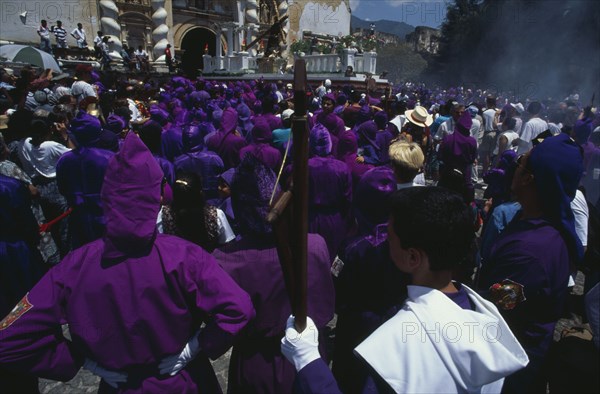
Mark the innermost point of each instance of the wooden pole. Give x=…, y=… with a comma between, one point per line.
x=299, y=235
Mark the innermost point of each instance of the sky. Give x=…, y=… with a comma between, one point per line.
x=417, y=13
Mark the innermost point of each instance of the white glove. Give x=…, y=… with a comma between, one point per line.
x=300, y=348
x=173, y=364
x=112, y=378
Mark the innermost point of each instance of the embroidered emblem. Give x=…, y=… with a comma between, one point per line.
x=337, y=266
x=507, y=294
x=19, y=310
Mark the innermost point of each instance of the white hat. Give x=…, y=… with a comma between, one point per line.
x=287, y=114
x=419, y=116
x=518, y=107
x=328, y=82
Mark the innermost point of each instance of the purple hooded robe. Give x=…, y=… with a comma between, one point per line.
x=79, y=175
x=149, y=294
x=261, y=148
x=225, y=142
x=257, y=364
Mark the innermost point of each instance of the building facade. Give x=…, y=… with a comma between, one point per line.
x=192, y=27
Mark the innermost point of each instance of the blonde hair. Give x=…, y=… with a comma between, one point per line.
x=407, y=159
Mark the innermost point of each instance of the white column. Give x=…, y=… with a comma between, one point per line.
x=161, y=30
x=251, y=20
x=230, y=27
x=219, y=48
x=108, y=21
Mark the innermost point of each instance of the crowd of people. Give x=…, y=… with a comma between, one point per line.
x=134, y=212
x=133, y=59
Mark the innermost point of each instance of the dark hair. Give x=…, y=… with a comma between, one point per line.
x=39, y=129
x=189, y=209
x=436, y=221
x=510, y=123
x=150, y=133
x=534, y=108
x=453, y=179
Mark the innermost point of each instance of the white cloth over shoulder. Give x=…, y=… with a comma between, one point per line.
x=226, y=234
x=433, y=345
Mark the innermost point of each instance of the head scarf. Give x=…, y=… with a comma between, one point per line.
x=261, y=132
x=557, y=166
x=251, y=190
x=320, y=141
x=372, y=192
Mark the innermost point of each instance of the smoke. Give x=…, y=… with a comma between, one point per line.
x=535, y=49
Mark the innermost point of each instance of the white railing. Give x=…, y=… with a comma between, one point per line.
x=330, y=63
x=322, y=63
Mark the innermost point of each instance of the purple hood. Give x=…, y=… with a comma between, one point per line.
x=131, y=199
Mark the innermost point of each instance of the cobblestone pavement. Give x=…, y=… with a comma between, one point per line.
x=85, y=382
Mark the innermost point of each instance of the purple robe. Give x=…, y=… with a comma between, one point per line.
x=459, y=151
x=347, y=148
x=335, y=125
x=274, y=122
x=18, y=237
x=171, y=144
x=80, y=175
x=383, y=139
x=257, y=364
x=329, y=200
x=167, y=167
x=534, y=254
x=264, y=153
x=368, y=267
x=225, y=142
x=260, y=148
x=149, y=293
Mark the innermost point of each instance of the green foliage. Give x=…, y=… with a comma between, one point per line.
x=300, y=46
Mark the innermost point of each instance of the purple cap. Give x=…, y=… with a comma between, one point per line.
x=261, y=132
x=159, y=115
x=115, y=123
x=85, y=128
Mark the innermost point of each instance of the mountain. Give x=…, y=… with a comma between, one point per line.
x=399, y=29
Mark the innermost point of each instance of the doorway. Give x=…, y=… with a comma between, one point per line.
x=193, y=46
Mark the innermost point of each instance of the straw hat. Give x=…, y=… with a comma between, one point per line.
x=3, y=122
x=419, y=116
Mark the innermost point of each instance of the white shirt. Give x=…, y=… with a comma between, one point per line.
x=97, y=41
x=445, y=129
x=582, y=215
x=42, y=159
x=488, y=119
x=510, y=136
x=78, y=34
x=82, y=89
x=44, y=32
x=475, y=130
x=140, y=54
x=531, y=129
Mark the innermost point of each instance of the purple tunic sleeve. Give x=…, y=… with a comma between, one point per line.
x=228, y=306
x=316, y=377
x=31, y=337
